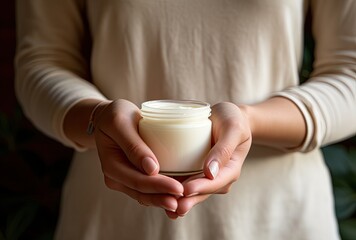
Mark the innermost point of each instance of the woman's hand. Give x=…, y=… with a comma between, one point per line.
x=231, y=143
x=129, y=166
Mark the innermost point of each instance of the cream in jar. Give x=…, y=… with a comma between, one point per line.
x=178, y=132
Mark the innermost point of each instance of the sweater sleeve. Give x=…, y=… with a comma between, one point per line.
x=328, y=99
x=51, y=69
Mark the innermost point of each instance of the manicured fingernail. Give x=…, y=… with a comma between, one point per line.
x=177, y=194
x=191, y=195
x=214, y=168
x=149, y=165
x=169, y=209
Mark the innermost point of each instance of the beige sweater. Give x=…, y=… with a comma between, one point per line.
x=212, y=50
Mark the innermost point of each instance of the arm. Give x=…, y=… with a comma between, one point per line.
x=296, y=119
x=300, y=118
x=52, y=87
x=326, y=102
x=51, y=69
x=276, y=122
x=328, y=98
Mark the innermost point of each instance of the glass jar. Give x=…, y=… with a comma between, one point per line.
x=178, y=132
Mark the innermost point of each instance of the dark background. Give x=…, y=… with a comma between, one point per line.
x=33, y=167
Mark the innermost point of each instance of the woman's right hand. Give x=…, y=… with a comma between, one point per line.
x=128, y=164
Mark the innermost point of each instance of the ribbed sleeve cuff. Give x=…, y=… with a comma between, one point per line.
x=75, y=91
x=58, y=125
x=308, y=143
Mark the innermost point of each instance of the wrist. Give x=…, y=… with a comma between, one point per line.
x=247, y=111
x=95, y=114
x=276, y=122
x=76, y=121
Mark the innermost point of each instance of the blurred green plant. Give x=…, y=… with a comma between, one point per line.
x=340, y=157
x=341, y=160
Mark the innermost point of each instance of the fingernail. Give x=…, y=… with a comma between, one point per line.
x=149, y=165
x=214, y=168
x=169, y=209
x=191, y=195
x=177, y=194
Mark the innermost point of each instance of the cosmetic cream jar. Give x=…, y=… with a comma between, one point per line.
x=178, y=132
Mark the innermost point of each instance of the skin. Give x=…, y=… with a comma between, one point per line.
x=130, y=167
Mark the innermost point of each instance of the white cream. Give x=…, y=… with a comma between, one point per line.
x=178, y=132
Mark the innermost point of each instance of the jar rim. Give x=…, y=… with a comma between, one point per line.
x=169, y=109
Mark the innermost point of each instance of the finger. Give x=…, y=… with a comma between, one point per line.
x=121, y=126
x=230, y=129
x=116, y=167
x=221, y=184
x=164, y=201
x=171, y=215
x=220, y=153
x=185, y=204
x=228, y=174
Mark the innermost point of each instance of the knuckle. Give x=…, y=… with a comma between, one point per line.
x=118, y=118
x=231, y=123
x=225, y=152
x=136, y=184
x=236, y=126
x=132, y=150
x=235, y=179
x=225, y=189
x=236, y=176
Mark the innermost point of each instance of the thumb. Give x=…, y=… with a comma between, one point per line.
x=137, y=152
x=229, y=130
x=121, y=128
x=219, y=155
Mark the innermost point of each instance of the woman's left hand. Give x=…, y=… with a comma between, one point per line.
x=231, y=144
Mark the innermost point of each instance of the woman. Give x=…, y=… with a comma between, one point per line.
x=243, y=58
